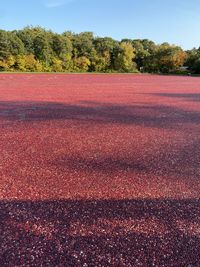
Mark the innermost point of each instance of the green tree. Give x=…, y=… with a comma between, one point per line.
x=37, y=49
x=4, y=45
x=16, y=45
x=27, y=36
x=124, y=58
x=101, y=62
x=83, y=44
x=67, y=63
x=193, y=60
x=42, y=49
x=143, y=50
x=61, y=46
x=104, y=58
x=196, y=67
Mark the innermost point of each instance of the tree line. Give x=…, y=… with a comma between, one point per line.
x=35, y=49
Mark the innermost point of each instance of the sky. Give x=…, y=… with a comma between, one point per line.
x=173, y=21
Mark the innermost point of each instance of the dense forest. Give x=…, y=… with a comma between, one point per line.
x=35, y=49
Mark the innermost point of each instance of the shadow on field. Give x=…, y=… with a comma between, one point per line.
x=183, y=163
x=189, y=97
x=158, y=116
x=98, y=164
x=100, y=233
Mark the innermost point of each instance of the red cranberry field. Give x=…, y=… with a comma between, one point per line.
x=99, y=170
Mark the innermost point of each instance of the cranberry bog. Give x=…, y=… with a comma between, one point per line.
x=99, y=170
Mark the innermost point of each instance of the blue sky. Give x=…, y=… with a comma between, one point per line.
x=174, y=21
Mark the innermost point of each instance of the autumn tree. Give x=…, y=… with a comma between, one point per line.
x=170, y=58
x=81, y=64
x=38, y=49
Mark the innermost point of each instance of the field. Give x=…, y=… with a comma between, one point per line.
x=99, y=170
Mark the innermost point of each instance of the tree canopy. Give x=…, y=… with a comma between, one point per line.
x=38, y=49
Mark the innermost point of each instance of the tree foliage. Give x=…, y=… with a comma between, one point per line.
x=193, y=60
x=37, y=49
x=124, y=57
